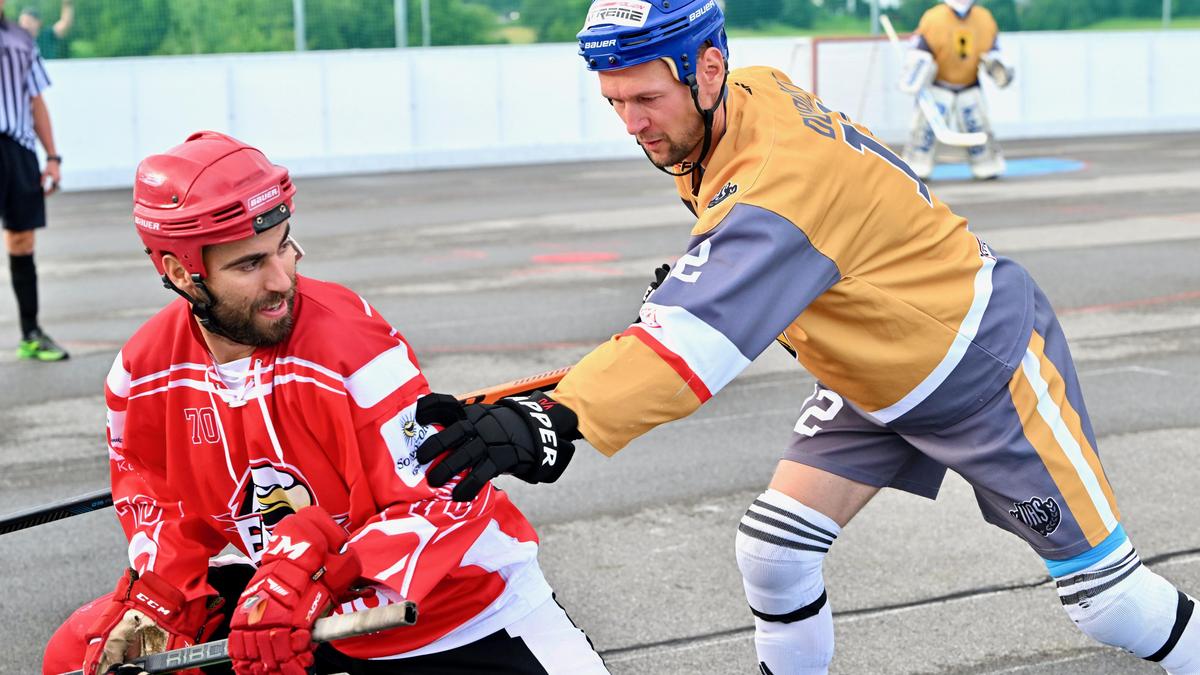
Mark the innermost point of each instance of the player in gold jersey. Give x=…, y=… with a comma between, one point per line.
x=951, y=43
x=932, y=352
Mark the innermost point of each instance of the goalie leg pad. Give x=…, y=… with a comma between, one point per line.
x=781, y=545
x=971, y=115
x=918, y=154
x=1118, y=601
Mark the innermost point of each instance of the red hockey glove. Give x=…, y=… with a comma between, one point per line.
x=147, y=615
x=531, y=437
x=301, y=575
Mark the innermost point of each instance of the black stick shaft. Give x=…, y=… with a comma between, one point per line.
x=92, y=501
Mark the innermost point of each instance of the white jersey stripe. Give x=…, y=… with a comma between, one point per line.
x=958, y=348
x=709, y=354
x=383, y=375
x=118, y=379
x=202, y=367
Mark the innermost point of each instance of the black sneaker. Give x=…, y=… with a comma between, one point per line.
x=39, y=347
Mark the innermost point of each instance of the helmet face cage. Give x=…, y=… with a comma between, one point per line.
x=622, y=33
x=211, y=189
x=960, y=7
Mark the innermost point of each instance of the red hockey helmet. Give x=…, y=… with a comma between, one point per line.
x=210, y=189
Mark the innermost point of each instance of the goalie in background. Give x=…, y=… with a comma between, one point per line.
x=951, y=44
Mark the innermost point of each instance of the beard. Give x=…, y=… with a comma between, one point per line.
x=677, y=149
x=242, y=324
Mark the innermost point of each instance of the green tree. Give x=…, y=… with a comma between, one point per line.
x=554, y=21
x=350, y=24
x=798, y=13
x=752, y=13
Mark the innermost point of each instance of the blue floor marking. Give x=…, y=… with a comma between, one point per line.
x=1017, y=168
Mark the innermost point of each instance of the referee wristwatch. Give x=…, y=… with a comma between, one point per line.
x=54, y=158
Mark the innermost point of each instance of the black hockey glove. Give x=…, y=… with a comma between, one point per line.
x=660, y=275
x=530, y=437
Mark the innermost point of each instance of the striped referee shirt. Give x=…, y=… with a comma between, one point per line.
x=22, y=76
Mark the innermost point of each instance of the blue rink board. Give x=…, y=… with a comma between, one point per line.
x=1017, y=168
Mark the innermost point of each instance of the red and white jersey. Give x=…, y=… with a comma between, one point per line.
x=204, y=456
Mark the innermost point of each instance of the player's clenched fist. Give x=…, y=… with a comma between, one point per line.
x=303, y=572
x=530, y=437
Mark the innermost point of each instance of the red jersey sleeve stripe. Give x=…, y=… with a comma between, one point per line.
x=674, y=360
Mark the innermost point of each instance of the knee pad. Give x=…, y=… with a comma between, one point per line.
x=1120, y=602
x=781, y=545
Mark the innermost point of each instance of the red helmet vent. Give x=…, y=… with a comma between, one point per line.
x=230, y=212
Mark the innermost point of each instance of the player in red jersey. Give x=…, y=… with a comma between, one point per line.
x=274, y=414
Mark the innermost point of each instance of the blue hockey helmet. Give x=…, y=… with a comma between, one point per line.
x=622, y=33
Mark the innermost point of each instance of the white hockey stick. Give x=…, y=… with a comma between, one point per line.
x=929, y=107
x=330, y=628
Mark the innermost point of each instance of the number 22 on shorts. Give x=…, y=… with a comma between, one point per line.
x=814, y=410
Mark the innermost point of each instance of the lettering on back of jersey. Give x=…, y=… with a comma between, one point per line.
x=810, y=110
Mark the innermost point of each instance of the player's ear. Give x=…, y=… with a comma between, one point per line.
x=710, y=72
x=177, y=274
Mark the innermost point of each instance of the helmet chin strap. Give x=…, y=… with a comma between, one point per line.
x=202, y=310
x=696, y=169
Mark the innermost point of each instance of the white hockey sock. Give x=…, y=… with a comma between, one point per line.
x=1119, y=602
x=780, y=547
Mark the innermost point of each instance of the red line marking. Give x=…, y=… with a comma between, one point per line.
x=1141, y=302
x=575, y=257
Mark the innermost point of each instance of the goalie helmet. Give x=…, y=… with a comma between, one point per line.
x=622, y=33
x=960, y=7
x=210, y=189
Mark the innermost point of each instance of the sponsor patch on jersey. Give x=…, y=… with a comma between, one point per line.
x=403, y=436
x=729, y=189
x=619, y=13
x=1041, y=515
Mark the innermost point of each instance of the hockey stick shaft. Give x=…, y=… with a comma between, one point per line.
x=94, y=501
x=929, y=107
x=328, y=629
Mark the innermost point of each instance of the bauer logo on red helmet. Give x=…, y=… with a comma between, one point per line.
x=263, y=197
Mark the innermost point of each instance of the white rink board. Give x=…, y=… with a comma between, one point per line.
x=324, y=113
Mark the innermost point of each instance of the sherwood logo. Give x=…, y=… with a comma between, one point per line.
x=263, y=196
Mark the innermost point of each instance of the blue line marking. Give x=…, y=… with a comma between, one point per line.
x=1016, y=168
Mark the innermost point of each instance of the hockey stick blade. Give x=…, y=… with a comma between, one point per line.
x=95, y=501
x=928, y=106
x=331, y=628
